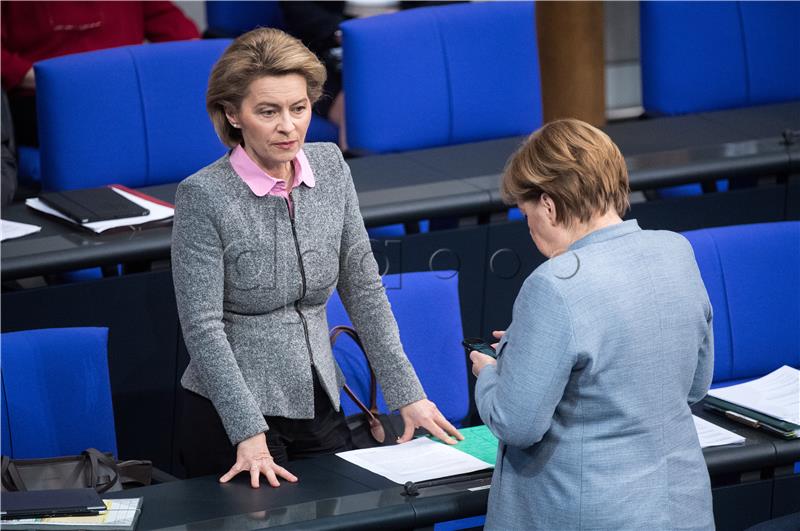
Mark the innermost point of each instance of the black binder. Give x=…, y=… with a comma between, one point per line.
x=93, y=204
x=56, y=502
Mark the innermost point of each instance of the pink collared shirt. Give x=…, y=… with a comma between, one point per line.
x=261, y=183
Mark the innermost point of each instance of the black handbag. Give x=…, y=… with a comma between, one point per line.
x=370, y=428
x=91, y=469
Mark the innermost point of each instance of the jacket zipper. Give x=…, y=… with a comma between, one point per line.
x=303, y=283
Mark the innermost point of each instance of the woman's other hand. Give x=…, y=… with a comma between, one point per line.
x=479, y=361
x=252, y=455
x=424, y=414
x=497, y=334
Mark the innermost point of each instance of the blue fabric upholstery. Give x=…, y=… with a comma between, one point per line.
x=57, y=391
x=441, y=75
x=772, y=45
x=29, y=165
x=692, y=57
x=752, y=277
x=702, y=56
x=428, y=313
x=232, y=18
x=133, y=115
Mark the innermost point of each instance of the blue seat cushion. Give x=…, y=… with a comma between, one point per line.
x=57, y=391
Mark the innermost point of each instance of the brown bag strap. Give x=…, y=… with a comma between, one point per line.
x=375, y=426
x=373, y=386
x=96, y=458
x=10, y=476
x=135, y=471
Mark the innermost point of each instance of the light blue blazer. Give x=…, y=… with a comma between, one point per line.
x=609, y=344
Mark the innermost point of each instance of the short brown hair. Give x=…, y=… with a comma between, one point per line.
x=258, y=53
x=576, y=164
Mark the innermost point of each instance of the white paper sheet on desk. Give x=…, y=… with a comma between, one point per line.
x=11, y=229
x=157, y=213
x=776, y=394
x=712, y=435
x=417, y=460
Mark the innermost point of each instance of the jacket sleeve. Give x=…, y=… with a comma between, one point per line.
x=364, y=298
x=517, y=397
x=198, y=275
x=163, y=21
x=704, y=372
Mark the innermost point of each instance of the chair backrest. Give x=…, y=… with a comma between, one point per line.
x=133, y=115
x=441, y=75
x=231, y=18
x=56, y=392
x=428, y=313
x=752, y=275
x=702, y=56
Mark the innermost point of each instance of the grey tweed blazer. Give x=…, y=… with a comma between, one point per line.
x=252, y=286
x=609, y=344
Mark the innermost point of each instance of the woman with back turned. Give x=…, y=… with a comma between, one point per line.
x=261, y=239
x=609, y=344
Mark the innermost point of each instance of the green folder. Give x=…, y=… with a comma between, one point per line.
x=478, y=442
x=752, y=418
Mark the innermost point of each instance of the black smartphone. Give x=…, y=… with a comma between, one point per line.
x=476, y=343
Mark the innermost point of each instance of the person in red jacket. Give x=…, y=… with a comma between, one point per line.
x=33, y=31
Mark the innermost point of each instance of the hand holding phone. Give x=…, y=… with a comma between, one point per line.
x=482, y=346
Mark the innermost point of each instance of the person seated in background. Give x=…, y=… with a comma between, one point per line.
x=261, y=239
x=33, y=31
x=609, y=344
x=9, y=168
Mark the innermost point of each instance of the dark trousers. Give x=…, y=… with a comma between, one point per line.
x=205, y=448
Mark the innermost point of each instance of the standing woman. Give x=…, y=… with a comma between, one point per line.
x=610, y=342
x=261, y=239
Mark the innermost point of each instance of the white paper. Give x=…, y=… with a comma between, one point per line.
x=157, y=213
x=776, y=394
x=712, y=435
x=418, y=460
x=12, y=229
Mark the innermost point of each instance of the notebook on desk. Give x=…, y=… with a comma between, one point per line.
x=56, y=502
x=93, y=204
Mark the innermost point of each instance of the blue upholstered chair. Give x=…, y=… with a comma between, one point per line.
x=441, y=75
x=703, y=56
x=752, y=275
x=231, y=18
x=56, y=392
x=133, y=115
x=428, y=313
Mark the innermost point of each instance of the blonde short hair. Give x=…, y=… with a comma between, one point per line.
x=577, y=165
x=258, y=53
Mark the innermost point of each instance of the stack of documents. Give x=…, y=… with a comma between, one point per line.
x=712, y=435
x=158, y=211
x=11, y=229
x=120, y=515
x=418, y=460
x=771, y=402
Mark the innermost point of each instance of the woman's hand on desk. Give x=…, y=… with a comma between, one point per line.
x=252, y=455
x=424, y=414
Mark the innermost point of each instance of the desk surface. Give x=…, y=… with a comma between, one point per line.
x=333, y=493
x=459, y=180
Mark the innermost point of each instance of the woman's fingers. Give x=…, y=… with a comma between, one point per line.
x=498, y=333
x=270, y=474
x=449, y=428
x=408, y=431
x=285, y=474
x=255, y=474
x=230, y=474
x=438, y=432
